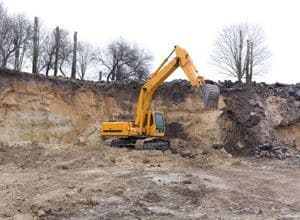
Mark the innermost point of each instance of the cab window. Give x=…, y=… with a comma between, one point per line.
x=159, y=121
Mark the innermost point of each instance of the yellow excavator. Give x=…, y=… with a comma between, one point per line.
x=147, y=130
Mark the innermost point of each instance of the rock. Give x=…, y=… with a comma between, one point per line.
x=280, y=151
x=65, y=165
x=112, y=159
x=297, y=95
x=217, y=146
x=252, y=102
x=291, y=91
x=225, y=153
x=81, y=141
x=188, y=153
x=23, y=217
x=187, y=182
x=41, y=213
x=57, y=211
x=146, y=161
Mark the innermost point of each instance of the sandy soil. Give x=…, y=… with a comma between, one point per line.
x=76, y=182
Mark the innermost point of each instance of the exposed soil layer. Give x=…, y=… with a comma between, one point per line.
x=56, y=110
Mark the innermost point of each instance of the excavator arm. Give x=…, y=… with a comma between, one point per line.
x=182, y=59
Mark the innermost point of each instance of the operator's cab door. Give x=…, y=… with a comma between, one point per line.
x=156, y=124
x=159, y=122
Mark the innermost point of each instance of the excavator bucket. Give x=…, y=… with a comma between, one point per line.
x=210, y=94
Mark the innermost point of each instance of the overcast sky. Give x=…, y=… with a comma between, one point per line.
x=158, y=25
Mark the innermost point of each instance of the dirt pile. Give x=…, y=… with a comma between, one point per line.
x=255, y=119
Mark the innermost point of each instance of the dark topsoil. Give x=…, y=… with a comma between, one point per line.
x=174, y=91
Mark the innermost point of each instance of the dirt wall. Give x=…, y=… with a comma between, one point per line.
x=57, y=111
x=49, y=110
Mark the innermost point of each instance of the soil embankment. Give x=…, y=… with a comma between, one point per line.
x=57, y=111
x=48, y=110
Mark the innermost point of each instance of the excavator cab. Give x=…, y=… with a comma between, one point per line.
x=154, y=124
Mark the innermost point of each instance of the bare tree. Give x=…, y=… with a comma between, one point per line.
x=65, y=52
x=40, y=37
x=86, y=58
x=57, y=46
x=74, y=57
x=47, y=51
x=231, y=52
x=35, y=45
x=249, y=63
x=122, y=60
x=50, y=49
x=15, y=35
x=22, y=36
x=7, y=46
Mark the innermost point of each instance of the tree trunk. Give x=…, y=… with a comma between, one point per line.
x=35, y=46
x=61, y=69
x=108, y=76
x=247, y=63
x=251, y=62
x=57, y=40
x=83, y=70
x=47, y=69
x=100, y=76
x=48, y=66
x=240, y=71
x=113, y=73
x=74, y=61
x=4, y=63
x=17, y=58
x=239, y=78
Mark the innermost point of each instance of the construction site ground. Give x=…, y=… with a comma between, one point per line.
x=75, y=182
x=239, y=161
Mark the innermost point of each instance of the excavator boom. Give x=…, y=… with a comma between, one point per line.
x=210, y=93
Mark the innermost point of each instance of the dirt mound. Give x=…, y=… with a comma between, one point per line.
x=253, y=116
x=175, y=130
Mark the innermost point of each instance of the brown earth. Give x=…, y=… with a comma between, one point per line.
x=53, y=164
x=72, y=182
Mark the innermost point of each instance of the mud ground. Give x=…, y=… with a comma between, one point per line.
x=78, y=182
